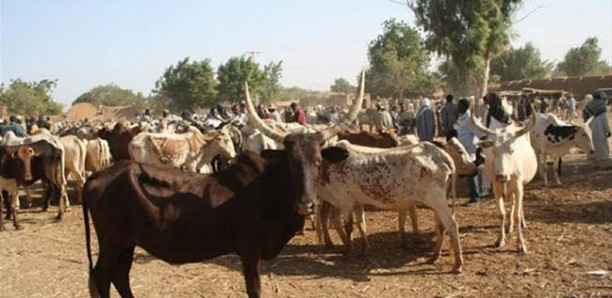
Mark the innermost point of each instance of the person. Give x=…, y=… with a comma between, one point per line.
x=274, y=114
x=146, y=117
x=383, y=119
x=523, y=109
x=298, y=114
x=544, y=105
x=497, y=116
x=13, y=126
x=334, y=116
x=426, y=121
x=395, y=118
x=407, y=120
x=596, y=109
x=212, y=120
x=571, y=107
x=468, y=136
x=262, y=112
x=42, y=123
x=448, y=117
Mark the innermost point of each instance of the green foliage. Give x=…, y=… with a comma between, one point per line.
x=470, y=33
x=27, y=98
x=188, y=85
x=398, y=62
x=112, y=95
x=584, y=60
x=520, y=63
x=342, y=85
x=272, y=87
x=234, y=73
x=456, y=80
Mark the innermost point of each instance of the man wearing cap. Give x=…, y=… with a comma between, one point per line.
x=274, y=114
x=298, y=114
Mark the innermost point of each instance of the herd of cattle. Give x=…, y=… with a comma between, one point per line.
x=146, y=190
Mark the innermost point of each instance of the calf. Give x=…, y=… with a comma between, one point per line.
x=552, y=137
x=75, y=152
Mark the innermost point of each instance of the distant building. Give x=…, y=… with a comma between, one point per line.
x=579, y=86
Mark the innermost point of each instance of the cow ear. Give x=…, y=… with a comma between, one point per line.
x=274, y=155
x=485, y=143
x=334, y=154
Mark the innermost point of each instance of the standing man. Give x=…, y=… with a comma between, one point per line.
x=426, y=121
x=298, y=114
x=468, y=136
x=15, y=127
x=596, y=109
x=571, y=107
x=449, y=117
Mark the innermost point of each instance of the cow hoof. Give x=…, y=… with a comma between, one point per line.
x=457, y=270
x=44, y=209
x=59, y=217
x=500, y=243
x=432, y=260
x=522, y=249
x=18, y=227
x=1, y=228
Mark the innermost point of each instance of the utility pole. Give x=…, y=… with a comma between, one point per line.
x=253, y=54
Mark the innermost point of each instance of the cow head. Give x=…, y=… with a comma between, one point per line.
x=302, y=154
x=500, y=144
x=464, y=163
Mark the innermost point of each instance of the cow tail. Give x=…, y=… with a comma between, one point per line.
x=93, y=286
x=454, y=192
x=559, y=163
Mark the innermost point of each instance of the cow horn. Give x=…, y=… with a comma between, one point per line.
x=532, y=123
x=478, y=125
x=330, y=132
x=257, y=122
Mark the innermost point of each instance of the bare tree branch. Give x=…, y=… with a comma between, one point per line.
x=528, y=14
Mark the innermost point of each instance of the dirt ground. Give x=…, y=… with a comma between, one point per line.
x=569, y=233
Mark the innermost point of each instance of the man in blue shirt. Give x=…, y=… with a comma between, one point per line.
x=15, y=127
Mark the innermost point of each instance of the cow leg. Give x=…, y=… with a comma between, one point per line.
x=523, y=222
x=250, y=269
x=323, y=219
x=2, y=218
x=498, y=192
x=28, y=197
x=556, y=170
x=510, y=227
x=415, y=219
x=6, y=198
x=361, y=225
x=439, y=240
x=439, y=205
x=121, y=273
x=63, y=203
x=337, y=221
x=102, y=272
x=522, y=247
x=14, y=199
x=348, y=228
x=401, y=220
x=48, y=192
x=544, y=167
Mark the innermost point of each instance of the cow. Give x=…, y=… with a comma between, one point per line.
x=119, y=139
x=390, y=179
x=552, y=137
x=98, y=155
x=510, y=164
x=191, y=150
x=253, y=208
x=387, y=139
x=39, y=157
x=75, y=151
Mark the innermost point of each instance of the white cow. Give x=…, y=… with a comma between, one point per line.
x=552, y=137
x=510, y=164
x=98, y=155
x=390, y=179
x=190, y=151
x=75, y=151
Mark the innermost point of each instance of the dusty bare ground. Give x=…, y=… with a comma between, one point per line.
x=569, y=233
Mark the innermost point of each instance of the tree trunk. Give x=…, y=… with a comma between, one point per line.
x=485, y=82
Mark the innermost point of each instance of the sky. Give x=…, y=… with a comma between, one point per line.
x=84, y=44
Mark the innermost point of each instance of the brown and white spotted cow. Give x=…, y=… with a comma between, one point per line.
x=390, y=179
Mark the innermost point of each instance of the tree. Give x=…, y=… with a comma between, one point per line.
x=26, y=98
x=470, y=33
x=188, y=85
x=112, y=95
x=455, y=79
x=520, y=63
x=272, y=87
x=342, y=85
x=584, y=60
x=234, y=73
x=398, y=62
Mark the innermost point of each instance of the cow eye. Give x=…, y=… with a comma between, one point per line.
x=318, y=162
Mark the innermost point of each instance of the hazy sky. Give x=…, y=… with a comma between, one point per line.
x=87, y=43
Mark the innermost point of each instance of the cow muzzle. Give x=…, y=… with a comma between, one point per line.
x=502, y=178
x=306, y=209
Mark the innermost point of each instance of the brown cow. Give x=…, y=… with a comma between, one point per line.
x=387, y=139
x=119, y=139
x=253, y=208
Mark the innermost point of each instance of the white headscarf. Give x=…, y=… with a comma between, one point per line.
x=425, y=104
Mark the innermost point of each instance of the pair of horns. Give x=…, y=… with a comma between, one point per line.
x=328, y=133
